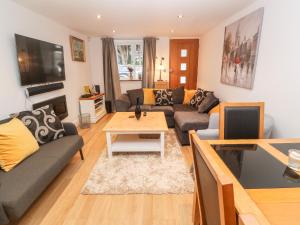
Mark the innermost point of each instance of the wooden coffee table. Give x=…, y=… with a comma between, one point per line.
x=127, y=132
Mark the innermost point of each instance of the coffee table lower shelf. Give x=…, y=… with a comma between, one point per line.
x=134, y=143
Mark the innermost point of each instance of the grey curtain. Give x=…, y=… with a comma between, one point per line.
x=149, y=62
x=110, y=70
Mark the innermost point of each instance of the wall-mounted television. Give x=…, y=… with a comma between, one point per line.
x=39, y=61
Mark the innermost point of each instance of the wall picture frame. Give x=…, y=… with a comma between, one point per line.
x=240, y=50
x=77, y=49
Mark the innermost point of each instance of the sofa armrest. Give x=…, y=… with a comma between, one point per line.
x=70, y=129
x=213, y=121
x=123, y=103
x=208, y=134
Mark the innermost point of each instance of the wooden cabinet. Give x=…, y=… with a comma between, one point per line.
x=161, y=85
x=95, y=106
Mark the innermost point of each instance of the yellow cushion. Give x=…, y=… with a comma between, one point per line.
x=215, y=109
x=16, y=143
x=188, y=94
x=149, y=97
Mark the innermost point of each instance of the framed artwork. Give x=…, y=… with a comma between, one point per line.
x=240, y=50
x=77, y=49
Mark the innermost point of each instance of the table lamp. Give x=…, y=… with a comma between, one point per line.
x=161, y=68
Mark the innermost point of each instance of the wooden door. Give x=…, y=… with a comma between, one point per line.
x=184, y=63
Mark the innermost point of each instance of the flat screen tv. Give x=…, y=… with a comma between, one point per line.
x=39, y=61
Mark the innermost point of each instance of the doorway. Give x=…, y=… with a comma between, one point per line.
x=184, y=63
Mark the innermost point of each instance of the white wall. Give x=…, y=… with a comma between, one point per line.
x=95, y=51
x=277, y=78
x=16, y=19
x=162, y=50
x=129, y=85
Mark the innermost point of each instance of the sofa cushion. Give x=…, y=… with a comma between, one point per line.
x=134, y=94
x=144, y=108
x=178, y=95
x=163, y=97
x=16, y=144
x=183, y=108
x=123, y=103
x=188, y=95
x=34, y=174
x=44, y=125
x=149, y=98
x=198, y=97
x=5, y=120
x=168, y=110
x=209, y=102
x=191, y=120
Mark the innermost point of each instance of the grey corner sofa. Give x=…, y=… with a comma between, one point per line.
x=180, y=116
x=21, y=186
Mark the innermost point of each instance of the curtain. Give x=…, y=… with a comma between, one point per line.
x=110, y=70
x=149, y=62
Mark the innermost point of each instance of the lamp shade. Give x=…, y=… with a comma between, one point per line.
x=161, y=67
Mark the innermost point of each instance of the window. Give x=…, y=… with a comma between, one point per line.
x=183, y=53
x=183, y=66
x=130, y=59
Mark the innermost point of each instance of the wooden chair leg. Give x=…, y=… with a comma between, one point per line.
x=196, y=211
x=81, y=154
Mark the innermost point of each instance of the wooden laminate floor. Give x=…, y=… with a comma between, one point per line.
x=62, y=202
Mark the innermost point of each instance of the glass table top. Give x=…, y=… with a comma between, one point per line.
x=255, y=168
x=285, y=147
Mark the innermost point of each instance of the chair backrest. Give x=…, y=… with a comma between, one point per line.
x=241, y=120
x=214, y=188
x=247, y=219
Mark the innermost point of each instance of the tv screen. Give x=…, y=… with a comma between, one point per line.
x=39, y=61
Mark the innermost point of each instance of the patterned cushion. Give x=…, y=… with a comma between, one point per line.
x=163, y=97
x=149, y=98
x=198, y=97
x=209, y=102
x=43, y=124
x=188, y=95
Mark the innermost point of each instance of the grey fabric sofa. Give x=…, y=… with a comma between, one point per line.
x=179, y=116
x=21, y=186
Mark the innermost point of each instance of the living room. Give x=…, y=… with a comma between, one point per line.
x=141, y=98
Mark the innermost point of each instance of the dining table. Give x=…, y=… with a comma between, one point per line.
x=263, y=184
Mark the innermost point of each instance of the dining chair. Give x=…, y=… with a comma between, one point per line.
x=247, y=219
x=241, y=120
x=215, y=200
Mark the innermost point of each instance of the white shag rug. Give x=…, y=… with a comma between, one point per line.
x=142, y=173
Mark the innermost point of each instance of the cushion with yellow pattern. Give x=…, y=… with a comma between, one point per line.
x=149, y=97
x=188, y=95
x=16, y=144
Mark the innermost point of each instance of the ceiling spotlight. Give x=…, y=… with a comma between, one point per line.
x=180, y=16
x=114, y=31
x=98, y=16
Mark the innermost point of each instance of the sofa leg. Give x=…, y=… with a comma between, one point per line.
x=81, y=154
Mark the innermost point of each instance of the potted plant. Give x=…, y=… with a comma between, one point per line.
x=130, y=69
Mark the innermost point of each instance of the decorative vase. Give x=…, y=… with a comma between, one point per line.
x=138, y=111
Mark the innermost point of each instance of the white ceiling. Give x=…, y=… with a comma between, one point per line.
x=135, y=18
